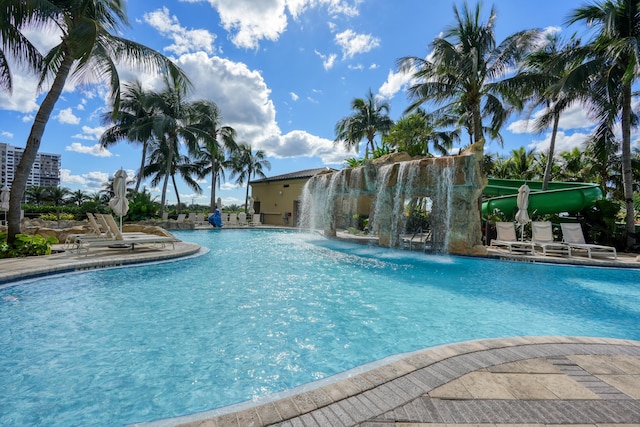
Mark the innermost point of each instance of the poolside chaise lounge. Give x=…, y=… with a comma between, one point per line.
x=242, y=218
x=542, y=238
x=573, y=236
x=233, y=219
x=126, y=240
x=255, y=220
x=506, y=236
x=95, y=232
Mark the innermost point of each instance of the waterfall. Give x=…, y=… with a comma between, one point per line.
x=442, y=204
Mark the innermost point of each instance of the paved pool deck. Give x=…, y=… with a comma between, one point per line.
x=519, y=381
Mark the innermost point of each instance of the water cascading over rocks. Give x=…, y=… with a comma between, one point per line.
x=448, y=187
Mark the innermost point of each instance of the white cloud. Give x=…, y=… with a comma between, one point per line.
x=6, y=134
x=89, y=133
x=66, y=116
x=564, y=142
x=249, y=21
x=573, y=118
x=184, y=40
x=352, y=43
x=91, y=181
x=327, y=61
x=395, y=82
x=294, y=96
x=93, y=150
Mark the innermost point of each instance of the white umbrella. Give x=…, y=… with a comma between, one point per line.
x=4, y=200
x=119, y=203
x=522, y=216
x=219, y=203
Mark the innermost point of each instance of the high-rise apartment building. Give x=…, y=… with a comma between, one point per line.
x=45, y=171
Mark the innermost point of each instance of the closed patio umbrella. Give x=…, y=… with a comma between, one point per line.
x=119, y=203
x=522, y=216
x=219, y=203
x=4, y=200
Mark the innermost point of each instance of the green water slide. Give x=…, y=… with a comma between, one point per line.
x=559, y=196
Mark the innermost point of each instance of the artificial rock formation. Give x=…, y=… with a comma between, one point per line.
x=382, y=188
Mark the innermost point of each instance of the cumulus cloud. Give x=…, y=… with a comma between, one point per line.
x=395, y=82
x=93, y=150
x=573, y=118
x=6, y=134
x=91, y=181
x=89, y=133
x=564, y=142
x=294, y=96
x=249, y=21
x=353, y=43
x=66, y=116
x=184, y=40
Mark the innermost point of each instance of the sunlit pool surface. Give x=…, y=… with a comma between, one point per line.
x=265, y=311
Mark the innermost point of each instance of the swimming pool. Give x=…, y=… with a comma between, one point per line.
x=265, y=311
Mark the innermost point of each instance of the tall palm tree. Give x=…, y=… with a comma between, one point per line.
x=370, y=117
x=88, y=47
x=248, y=165
x=133, y=123
x=543, y=75
x=217, y=142
x=615, y=56
x=171, y=126
x=462, y=73
x=14, y=16
x=78, y=197
x=35, y=194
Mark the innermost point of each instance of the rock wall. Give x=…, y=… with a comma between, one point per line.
x=380, y=189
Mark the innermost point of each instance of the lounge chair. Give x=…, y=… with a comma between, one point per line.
x=573, y=236
x=233, y=219
x=181, y=217
x=542, y=237
x=125, y=240
x=94, y=232
x=506, y=236
x=242, y=218
x=192, y=217
x=255, y=220
x=165, y=216
x=200, y=219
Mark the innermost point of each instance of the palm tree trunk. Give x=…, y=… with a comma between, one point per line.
x=627, y=171
x=246, y=197
x=142, y=162
x=214, y=172
x=23, y=169
x=552, y=148
x=175, y=188
x=166, y=183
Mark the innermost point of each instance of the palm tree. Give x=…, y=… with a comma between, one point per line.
x=615, y=57
x=464, y=70
x=543, y=76
x=78, y=197
x=133, y=123
x=412, y=133
x=217, y=141
x=58, y=196
x=14, y=16
x=88, y=48
x=248, y=165
x=171, y=125
x=35, y=194
x=369, y=118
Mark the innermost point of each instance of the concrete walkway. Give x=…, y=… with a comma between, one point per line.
x=523, y=381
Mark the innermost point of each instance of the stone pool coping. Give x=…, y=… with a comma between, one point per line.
x=519, y=381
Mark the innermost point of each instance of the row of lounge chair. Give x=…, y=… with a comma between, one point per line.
x=104, y=231
x=542, y=238
x=227, y=219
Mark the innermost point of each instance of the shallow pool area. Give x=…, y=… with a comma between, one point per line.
x=264, y=311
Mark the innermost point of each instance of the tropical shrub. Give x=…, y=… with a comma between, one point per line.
x=26, y=245
x=57, y=217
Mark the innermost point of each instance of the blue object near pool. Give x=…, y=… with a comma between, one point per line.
x=264, y=311
x=215, y=219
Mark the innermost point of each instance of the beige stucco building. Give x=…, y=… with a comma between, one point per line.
x=278, y=198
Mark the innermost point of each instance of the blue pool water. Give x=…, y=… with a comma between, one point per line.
x=265, y=311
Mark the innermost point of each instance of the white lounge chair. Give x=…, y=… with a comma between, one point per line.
x=506, y=236
x=242, y=218
x=255, y=220
x=181, y=217
x=573, y=236
x=200, y=219
x=233, y=219
x=192, y=217
x=542, y=237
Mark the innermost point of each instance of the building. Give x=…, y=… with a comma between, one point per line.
x=277, y=198
x=45, y=171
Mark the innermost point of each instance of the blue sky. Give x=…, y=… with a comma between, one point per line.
x=283, y=72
